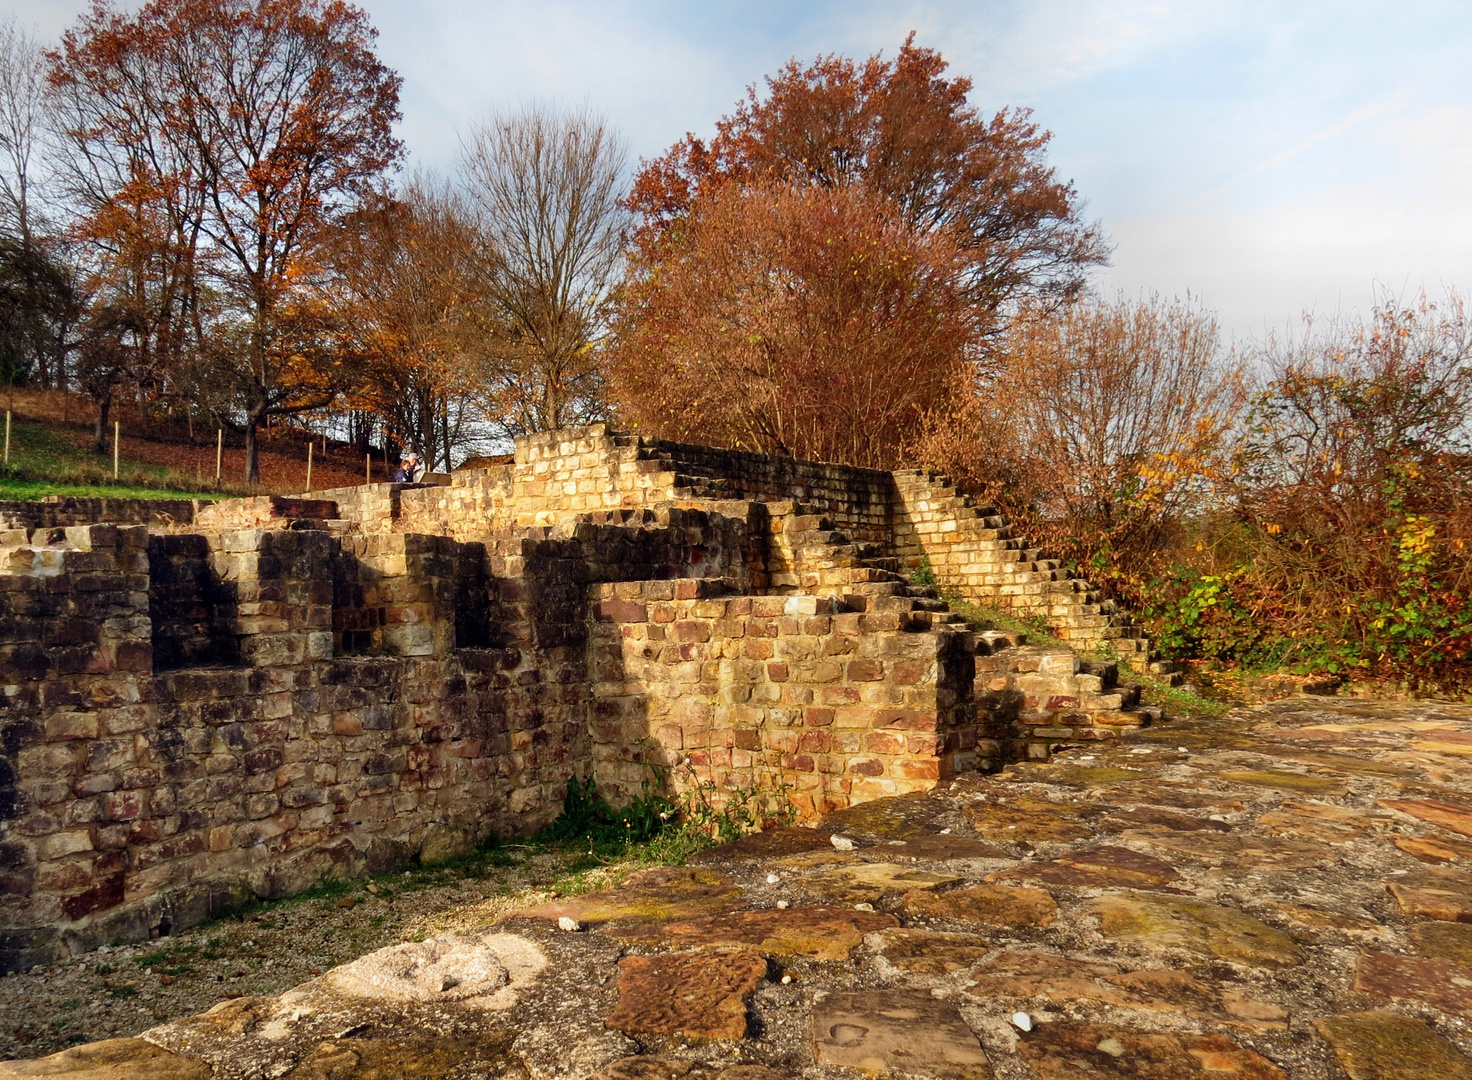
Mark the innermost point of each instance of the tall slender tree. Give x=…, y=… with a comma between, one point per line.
x=548, y=188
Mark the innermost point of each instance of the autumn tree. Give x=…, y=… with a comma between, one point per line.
x=407, y=287
x=240, y=129
x=812, y=322
x=902, y=132
x=547, y=187
x=930, y=226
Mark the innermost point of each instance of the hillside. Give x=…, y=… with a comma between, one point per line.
x=51, y=453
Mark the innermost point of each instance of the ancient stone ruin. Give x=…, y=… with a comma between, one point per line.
x=203, y=702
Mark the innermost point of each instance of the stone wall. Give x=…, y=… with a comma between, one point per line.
x=831, y=703
x=285, y=689
x=59, y=511
x=134, y=802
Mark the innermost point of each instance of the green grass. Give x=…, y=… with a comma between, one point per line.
x=44, y=462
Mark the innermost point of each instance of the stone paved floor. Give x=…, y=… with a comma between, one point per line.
x=1283, y=893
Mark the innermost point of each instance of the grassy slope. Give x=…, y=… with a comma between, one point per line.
x=51, y=453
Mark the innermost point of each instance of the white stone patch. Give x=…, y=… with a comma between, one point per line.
x=483, y=971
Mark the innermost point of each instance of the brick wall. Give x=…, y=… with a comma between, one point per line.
x=290, y=688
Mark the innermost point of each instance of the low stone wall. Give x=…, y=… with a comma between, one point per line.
x=189, y=719
x=795, y=695
x=291, y=688
x=59, y=511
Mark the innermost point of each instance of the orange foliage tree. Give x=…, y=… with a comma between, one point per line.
x=808, y=322
x=254, y=124
x=902, y=132
x=405, y=284
x=812, y=279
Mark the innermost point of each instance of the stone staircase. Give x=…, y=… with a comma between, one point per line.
x=1037, y=696
x=972, y=552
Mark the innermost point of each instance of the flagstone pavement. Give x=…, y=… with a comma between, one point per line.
x=1286, y=892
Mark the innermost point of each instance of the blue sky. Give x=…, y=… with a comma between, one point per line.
x=1269, y=158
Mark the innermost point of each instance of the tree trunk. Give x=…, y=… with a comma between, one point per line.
x=252, y=449
x=99, y=442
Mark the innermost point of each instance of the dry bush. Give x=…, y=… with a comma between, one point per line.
x=1352, y=495
x=1101, y=429
x=809, y=322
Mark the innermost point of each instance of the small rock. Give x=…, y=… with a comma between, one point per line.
x=347, y=902
x=864, y=907
x=772, y=879
x=783, y=904
x=1113, y=1047
x=373, y=889
x=1022, y=1021
x=842, y=843
x=568, y=924
x=786, y=980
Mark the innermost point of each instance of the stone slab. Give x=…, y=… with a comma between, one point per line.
x=1380, y=1045
x=1434, y=894
x=900, y=1031
x=1205, y=929
x=934, y=847
x=994, y=905
x=1173, y=794
x=1236, y=851
x=110, y=1059
x=1098, y=867
x=655, y=895
x=1155, y=817
x=1033, y=820
x=1034, y=975
x=1442, y=984
x=869, y=881
x=824, y=933
x=1443, y=941
x=896, y=817
x=929, y=952
x=1452, y=816
x=1433, y=849
x=699, y=995
x=1302, y=783
x=1071, y=1050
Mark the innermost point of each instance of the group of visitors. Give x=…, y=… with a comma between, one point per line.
x=409, y=469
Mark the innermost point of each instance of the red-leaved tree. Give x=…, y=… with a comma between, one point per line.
x=807, y=322
x=814, y=279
